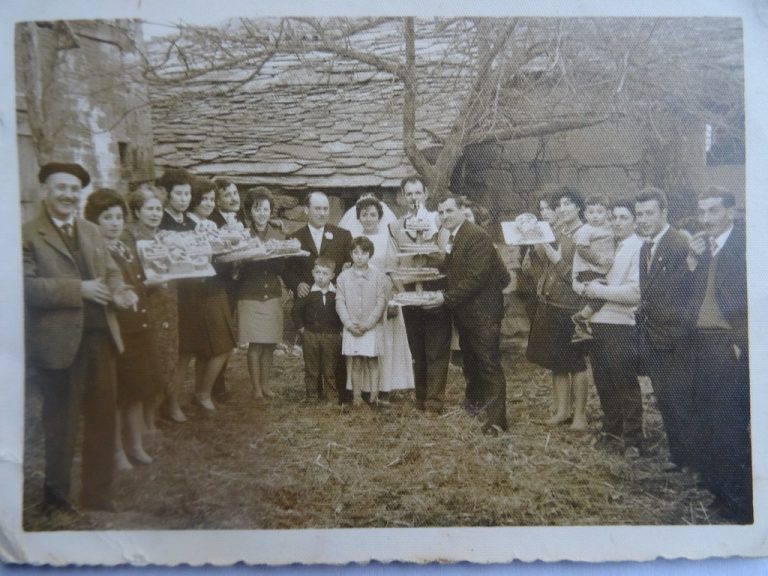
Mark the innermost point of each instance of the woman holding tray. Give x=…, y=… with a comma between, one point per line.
x=137, y=367
x=260, y=294
x=395, y=361
x=145, y=205
x=177, y=184
x=206, y=328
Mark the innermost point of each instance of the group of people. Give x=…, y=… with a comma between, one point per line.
x=656, y=301
x=105, y=344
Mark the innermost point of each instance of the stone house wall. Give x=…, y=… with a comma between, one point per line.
x=80, y=84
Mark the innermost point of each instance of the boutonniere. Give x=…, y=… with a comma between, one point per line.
x=328, y=235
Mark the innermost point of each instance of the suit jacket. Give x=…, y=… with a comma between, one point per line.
x=476, y=275
x=730, y=283
x=665, y=291
x=336, y=247
x=54, y=305
x=218, y=218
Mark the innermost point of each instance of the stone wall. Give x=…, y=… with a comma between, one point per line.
x=610, y=159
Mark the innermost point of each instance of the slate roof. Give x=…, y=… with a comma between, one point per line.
x=309, y=122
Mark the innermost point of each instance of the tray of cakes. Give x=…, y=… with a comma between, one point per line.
x=228, y=238
x=418, y=249
x=409, y=275
x=423, y=298
x=255, y=250
x=174, y=256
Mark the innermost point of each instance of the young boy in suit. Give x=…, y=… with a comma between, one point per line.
x=316, y=319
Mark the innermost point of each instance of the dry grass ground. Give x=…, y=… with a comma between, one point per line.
x=287, y=464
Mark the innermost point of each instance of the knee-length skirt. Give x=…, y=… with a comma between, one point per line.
x=549, y=341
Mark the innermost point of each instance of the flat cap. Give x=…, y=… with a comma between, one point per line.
x=75, y=169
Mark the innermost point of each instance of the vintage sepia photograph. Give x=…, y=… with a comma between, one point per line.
x=289, y=273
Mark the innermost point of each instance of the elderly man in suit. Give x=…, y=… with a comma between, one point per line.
x=476, y=277
x=663, y=321
x=319, y=239
x=719, y=355
x=72, y=335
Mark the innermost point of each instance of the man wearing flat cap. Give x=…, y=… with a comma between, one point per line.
x=72, y=336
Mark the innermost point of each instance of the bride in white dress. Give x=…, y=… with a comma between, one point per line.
x=395, y=362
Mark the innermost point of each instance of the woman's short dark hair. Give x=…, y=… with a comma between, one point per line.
x=174, y=177
x=200, y=187
x=102, y=200
x=481, y=213
x=141, y=195
x=367, y=202
x=363, y=243
x=567, y=192
x=254, y=197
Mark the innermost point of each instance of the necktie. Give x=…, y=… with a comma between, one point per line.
x=713, y=246
x=68, y=230
x=648, y=254
x=449, y=246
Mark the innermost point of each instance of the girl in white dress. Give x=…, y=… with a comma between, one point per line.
x=361, y=296
x=395, y=360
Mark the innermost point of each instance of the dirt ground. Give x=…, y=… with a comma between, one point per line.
x=283, y=463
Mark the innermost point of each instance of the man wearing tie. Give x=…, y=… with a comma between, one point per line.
x=662, y=318
x=319, y=239
x=476, y=277
x=72, y=336
x=719, y=355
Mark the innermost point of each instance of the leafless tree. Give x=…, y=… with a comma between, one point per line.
x=495, y=79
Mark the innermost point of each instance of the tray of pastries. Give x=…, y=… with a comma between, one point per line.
x=228, y=238
x=175, y=255
x=416, y=274
x=255, y=250
x=424, y=298
x=415, y=248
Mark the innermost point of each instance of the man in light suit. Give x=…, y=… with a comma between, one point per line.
x=663, y=321
x=319, y=239
x=719, y=355
x=72, y=335
x=476, y=277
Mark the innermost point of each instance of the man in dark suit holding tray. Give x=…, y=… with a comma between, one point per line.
x=476, y=277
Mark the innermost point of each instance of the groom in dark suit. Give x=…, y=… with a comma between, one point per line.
x=664, y=323
x=476, y=277
x=719, y=355
x=319, y=239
